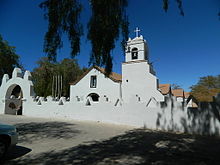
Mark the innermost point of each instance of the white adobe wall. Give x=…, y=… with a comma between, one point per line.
x=132, y=114
x=136, y=114
x=17, y=79
x=179, y=99
x=172, y=118
x=105, y=86
x=12, y=110
x=140, y=82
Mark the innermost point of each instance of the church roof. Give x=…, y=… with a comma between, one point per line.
x=178, y=92
x=113, y=76
x=164, y=88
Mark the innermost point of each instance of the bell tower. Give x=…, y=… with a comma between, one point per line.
x=136, y=49
x=139, y=81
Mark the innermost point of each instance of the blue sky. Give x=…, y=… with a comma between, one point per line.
x=182, y=49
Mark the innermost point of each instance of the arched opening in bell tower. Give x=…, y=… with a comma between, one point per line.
x=134, y=54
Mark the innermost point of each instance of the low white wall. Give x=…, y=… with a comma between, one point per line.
x=136, y=115
x=171, y=118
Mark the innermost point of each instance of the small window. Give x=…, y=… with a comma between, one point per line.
x=93, y=82
x=134, y=54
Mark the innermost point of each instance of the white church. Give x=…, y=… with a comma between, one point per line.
x=133, y=98
x=137, y=82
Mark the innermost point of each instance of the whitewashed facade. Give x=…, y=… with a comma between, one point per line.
x=138, y=76
x=95, y=86
x=138, y=80
x=131, y=98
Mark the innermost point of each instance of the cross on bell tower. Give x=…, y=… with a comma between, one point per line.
x=137, y=30
x=136, y=48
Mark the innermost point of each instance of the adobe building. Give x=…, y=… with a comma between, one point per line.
x=137, y=82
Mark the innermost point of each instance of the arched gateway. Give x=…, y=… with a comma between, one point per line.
x=14, y=91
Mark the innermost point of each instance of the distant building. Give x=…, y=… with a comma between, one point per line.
x=179, y=95
x=185, y=97
x=165, y=89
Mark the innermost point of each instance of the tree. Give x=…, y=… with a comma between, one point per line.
x=70, y=71
x=108, y=20
x=42, y=77
x=46, y=72
x=63, y=17
x=179, y=3
x=206, y=88
x=8, y=58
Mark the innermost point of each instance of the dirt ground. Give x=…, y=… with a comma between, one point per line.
x=50, y=141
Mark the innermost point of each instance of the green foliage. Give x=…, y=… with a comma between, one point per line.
x=179, y=3
x=63, y=17
x=8, y=58
x=70, y=71
x=107, y=20
x=43, y=75
x=206, y=88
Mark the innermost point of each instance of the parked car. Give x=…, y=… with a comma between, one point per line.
x=8, y=138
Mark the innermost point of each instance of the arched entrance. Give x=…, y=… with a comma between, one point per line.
x=16, y=90
x=94, y=96
x=13, y=102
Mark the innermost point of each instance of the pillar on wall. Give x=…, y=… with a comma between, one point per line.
x=27, y=75
x=17, y=73
x=5, y=79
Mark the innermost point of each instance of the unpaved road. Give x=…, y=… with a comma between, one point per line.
x=38, y=135
x=65, y=142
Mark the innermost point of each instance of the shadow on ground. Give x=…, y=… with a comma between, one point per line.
x=135, y=147
x=30, y=132
x=16, y=152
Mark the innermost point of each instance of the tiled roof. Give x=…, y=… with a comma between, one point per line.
x=113, y=76
x=164, y=88
x=186, y=94
x=178, y=92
